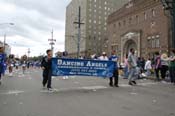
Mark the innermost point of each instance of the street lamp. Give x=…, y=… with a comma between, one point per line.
x=7, y=24
x=5, y=34
x=169, y=5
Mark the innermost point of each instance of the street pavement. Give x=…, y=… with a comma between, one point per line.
x=23, y=95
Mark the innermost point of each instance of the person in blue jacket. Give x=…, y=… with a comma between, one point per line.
x=2, y=60
x=114, y=58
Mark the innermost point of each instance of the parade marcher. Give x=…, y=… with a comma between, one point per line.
x=24, y=63
x=11, y=64
x=172, y=67
x=132, y=63
x=114, y=58
x=17, y=64
x=46, y=65
x=157, y=65
x=164, y=65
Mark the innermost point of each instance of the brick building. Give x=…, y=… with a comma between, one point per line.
x=142, y=25
x=94, y=15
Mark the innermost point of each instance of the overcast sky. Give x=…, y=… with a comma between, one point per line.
x=33, y=22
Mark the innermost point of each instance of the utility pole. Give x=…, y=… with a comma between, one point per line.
x=52, y=41
x=4, y=42
x=28, y=52
x=79, y=31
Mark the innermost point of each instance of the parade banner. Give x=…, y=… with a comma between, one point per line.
x=81, y=67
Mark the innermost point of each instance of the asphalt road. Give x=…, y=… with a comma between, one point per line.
x=22, y=95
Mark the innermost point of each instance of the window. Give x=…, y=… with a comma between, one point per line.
x=105, y=8
x=119, y=24
x=149, y=43
x=137, y=18
x=130, y=20
x=157, y=42
x=145, y=16
x=153, y=13
x=153, y=43
x=114, y=25
x=124, y=22
x=105, y=13
x=105, y=2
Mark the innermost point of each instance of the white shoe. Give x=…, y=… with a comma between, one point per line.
x=66, y=77
x=50, y=89
x=10, y=74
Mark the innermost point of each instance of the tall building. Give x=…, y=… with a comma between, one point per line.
x=93, y=31
x=142, y=25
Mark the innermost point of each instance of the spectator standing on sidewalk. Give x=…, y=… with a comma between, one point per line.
x=157, y=65
x=103, y=56
x=148, y=67
x=126, y=70
x=164, y=65
x=132, y=63
x=172, y=67
x=46, y=65
x=114, y=58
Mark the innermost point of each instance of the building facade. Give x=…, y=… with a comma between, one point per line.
x=94, y=15
x=7, y=48
x=142, y=25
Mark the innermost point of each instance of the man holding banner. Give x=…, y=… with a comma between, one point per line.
x=46, y=65
x=114, y=58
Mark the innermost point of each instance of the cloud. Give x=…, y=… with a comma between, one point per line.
x=34, y=21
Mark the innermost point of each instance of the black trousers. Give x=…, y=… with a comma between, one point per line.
x=172, y=74
x=115, y=77
x=157, y=71
x=47, y=78
x=164, y=69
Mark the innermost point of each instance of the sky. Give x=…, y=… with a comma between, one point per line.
x=33, y=22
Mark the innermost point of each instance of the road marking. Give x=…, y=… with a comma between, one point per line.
x=93, y=87
x=11, y=92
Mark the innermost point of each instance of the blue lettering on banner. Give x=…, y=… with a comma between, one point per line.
x=63, y=66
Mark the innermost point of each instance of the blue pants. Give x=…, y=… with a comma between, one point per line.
x=133, y=74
